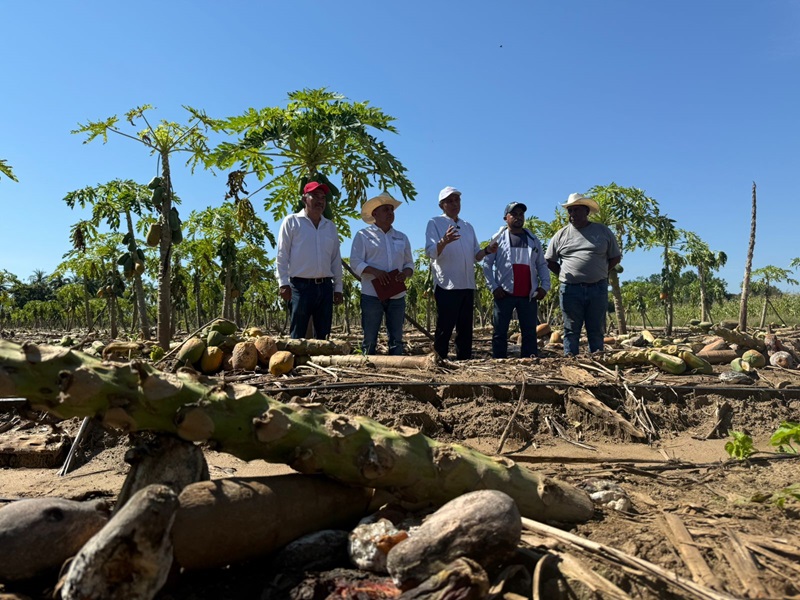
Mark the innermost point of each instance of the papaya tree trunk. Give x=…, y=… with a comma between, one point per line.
x=748, y=266
x=619, y=308
x=112, y=315
x=198, y=300
x=704, y=312
x=165, y=259
x=240, y=420
x=227, y=301
x=87, y=309
x=766, y=303
x=138, y=287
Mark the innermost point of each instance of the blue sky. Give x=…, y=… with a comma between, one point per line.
x=691, y=101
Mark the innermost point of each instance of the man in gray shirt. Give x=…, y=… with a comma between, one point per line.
x=582, y=254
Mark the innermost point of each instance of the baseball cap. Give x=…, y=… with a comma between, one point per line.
x=448, y=191
x=512, y=205
x=313, y=185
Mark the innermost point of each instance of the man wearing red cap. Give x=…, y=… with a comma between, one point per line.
x=309, y=264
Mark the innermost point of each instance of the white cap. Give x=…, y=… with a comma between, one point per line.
x=448, y=191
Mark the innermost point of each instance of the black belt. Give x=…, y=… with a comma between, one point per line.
x=315, y=280
x=589, y=284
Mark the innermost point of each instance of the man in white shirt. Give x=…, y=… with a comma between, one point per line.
x=309, y=265
x=451, y=244
x=381, y=256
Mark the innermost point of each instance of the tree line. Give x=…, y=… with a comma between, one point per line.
x=135, y=261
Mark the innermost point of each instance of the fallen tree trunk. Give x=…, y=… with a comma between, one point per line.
x=242, y=421
x=740, y=338
x=230, y=520
x=424, y=363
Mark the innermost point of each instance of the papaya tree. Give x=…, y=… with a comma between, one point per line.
x=631, y=215
x=5, y=169
x=111, y=203
x=666, y=235
x=198, y=251
x=229, y=227
x=317, y=135
x=764, y=280
x=162, y=140
x=698, y=254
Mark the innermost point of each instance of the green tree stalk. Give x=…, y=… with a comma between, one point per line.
x=242, y=421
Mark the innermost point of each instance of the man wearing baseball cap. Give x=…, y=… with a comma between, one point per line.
x=518, y=276
x=582, y=254
x=381, y=256
x=309, y=264
x=453, y=248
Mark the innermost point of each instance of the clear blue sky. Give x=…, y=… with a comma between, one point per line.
x=690, y=100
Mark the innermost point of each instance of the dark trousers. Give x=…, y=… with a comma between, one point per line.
x=453, y=310
x=312, y=299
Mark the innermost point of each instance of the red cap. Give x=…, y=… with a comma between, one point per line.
x=313, y=185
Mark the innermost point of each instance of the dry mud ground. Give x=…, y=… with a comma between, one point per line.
x=690, y=505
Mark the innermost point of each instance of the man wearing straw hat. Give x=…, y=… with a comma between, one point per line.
x=381, y=256
x=581, y=254
x=309, y=264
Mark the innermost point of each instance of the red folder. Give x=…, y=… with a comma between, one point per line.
x=392, y=288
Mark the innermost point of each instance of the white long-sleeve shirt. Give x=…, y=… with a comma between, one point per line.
x=385, y=251
x=454, y=268
x=308, y=251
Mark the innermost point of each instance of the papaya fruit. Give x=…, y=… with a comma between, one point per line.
x=281, y=362
x=123, y=258
x=177, y=236
x=157, y=197
x=191, y=351
x=224, y=326
x=154, y=235
x=754, y=358
x=266, y=347
x=667, y=362
x=215, y=338
x=155, y=182
x=695, y=363
x=174, y=219
x=211, y=360
x=244, y=357
x=138, y=267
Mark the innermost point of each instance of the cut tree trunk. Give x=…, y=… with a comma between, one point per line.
x=748, y=266
x=242, y=421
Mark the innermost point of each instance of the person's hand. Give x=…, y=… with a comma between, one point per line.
x=286, y=292
x=451, y=235
x=404, y=274
x=499, y=293
x=540, y=294
x=338, y=297
x=382, y=277
x=492, y=248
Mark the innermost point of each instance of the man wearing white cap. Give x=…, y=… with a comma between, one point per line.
x=309, y=264
x=381, y=256
x=451, y=244
x=581, y=254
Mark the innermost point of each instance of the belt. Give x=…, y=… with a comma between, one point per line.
x=314, y=280
x=589, y=284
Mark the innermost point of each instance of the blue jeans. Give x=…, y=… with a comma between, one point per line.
x=311, y=299
x=528, y=320
x=584, y=304
x=372, y=313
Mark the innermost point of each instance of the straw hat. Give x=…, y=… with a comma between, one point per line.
x=581, y=200
x=373, y=203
